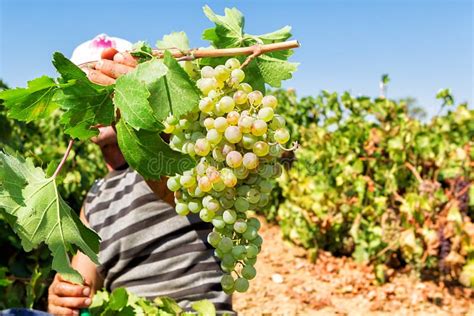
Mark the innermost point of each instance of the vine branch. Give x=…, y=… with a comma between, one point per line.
x=63, y=160
x=252, y=51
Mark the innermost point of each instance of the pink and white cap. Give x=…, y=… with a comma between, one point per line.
x=91, y=50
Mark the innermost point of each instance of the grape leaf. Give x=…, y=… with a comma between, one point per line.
x=229, y=28
x=118, y=299
x=41, y=215
x=148, y=154
x=204, y=308
x=175, y=92
x=131, y=95
x=177, y=40
x=275, y=70
x=33, y=102
x=86, y=104
x=270, y=68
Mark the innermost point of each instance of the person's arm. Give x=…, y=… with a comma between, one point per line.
x=65, y=298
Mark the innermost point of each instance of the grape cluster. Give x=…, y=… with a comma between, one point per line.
x=236, y=138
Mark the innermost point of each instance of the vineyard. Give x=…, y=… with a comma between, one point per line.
x=365, y=179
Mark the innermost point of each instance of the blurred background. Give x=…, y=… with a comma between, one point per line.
x=373, y=214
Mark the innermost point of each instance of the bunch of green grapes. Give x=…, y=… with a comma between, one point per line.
x=236, y=138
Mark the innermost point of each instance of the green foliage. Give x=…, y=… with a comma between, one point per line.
x=372, y=182
x=24, y=277
x=122, y=302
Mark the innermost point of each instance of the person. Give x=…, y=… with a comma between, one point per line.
x=145, y=246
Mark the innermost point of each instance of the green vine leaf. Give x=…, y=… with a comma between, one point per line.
x=175, y=93
x=229, y=28
x=132, y=93
x=41, y=215
x=86, y=104
x=31, y=103
x=148, y=154
x=177, y=40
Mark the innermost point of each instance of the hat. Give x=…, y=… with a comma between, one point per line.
x=91, y=50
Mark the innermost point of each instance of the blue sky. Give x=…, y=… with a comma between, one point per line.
x=424, y=45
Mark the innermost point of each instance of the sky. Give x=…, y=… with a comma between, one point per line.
x=424, y=45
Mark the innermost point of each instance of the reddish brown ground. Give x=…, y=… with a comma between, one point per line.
x=288, y=284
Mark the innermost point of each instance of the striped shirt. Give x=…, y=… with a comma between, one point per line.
x=147, y=247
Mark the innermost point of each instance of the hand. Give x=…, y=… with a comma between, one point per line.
x=65, y=298
x=112, y=65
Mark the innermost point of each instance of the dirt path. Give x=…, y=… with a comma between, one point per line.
x=288, y=284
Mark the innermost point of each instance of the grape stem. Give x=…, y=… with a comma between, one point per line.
x=227, y=52
x=63, y=160
x=195, y=53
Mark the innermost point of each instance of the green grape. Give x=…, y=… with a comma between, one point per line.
x=241, y=204
x=206, y=85
x=187, y=181
x=250, y=161
x=252, y=221
x=202, y=147
x=213, y=136
x=264, y=200
x=250, y=261
x=240, y=97
x=218, y=222
x=234, y=159
x=228, y=260
x=229, y=193
x=220, y=124
x=241, y=285
x=245, y=87
x=245, y=123
x=232, y=63
x=226, y=104
x=261, y=148
x=238, y=75
x=221, y=73
x=213, y=205
x=253, y=195
x=227, y=282
x=213, y=174
x=219, y=254
x=240, y=226
x=233, y=118
x=168, y=128
x=255, y=98
x=225, y=245
x=241, y=172
x=214, y=238
x=207, y=72
x=265, y=114
x=258, y=241
x=243, y=190
x=282, y=136
x=250, y=233
x=226, y=203
x=206, y=215
x=218, y=155
x=277, y=122
x=173, y=184
x=194, y=206
x=252, y=250
x=182, y=209
x=209, y=123
x=205, y=184
x=229, y=216
x=259, y=127
x=266, y=171
x=229, y=178
x=233, y=134
x=277, y=170
x=269, y=101
x=239, y=252
x=249, y=272
x=265, y=186
x=206, y=105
